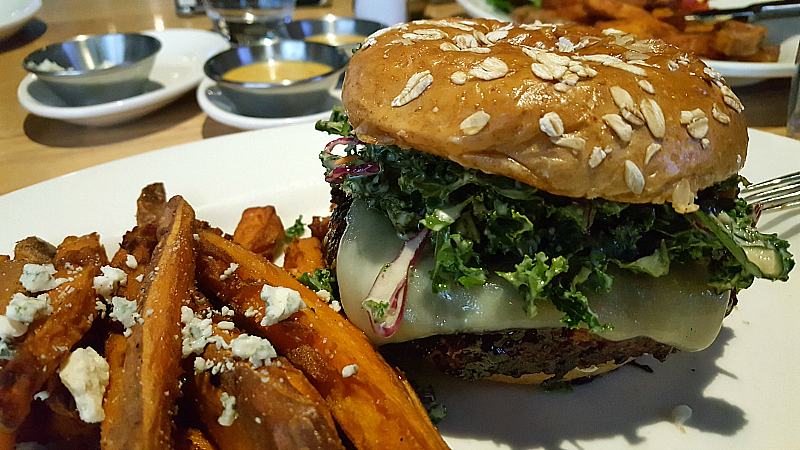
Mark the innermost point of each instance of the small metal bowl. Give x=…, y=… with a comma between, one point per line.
x=343, y=32
x=89, y=70
x=287, y=99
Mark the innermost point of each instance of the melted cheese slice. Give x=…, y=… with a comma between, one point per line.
x=677, y=309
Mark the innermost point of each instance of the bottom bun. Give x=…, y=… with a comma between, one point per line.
x=574, y=374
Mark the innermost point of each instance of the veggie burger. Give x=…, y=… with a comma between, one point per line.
x=537, y=202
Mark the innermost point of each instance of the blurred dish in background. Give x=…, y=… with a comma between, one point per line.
x=714, y=38
x=220, y=108
x=763, y=45
x=386, y=12
x=178, y=69
x=793, y=109
x=739, y=73
x=343, y=32
x=317, y=69
x=15, y=13
x=89, y=70
x=246, y=22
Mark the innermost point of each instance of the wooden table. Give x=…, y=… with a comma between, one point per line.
x=34, y=149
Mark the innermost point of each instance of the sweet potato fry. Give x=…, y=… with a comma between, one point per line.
x=7, y=440
x=46, y=345
x=34, y=251
x=81, y=251
x=319, y=226
x=137, y=244
x=65, y=425
x=191, y=439
x=115, y=357
x=10, y=272
x=150, y=204
x=153, y=351
x=303, y=255
x=27, y=251
x=276, y=407
x=260, y=230
x=373, y=404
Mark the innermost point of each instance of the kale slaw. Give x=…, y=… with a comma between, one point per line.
x=551, y=248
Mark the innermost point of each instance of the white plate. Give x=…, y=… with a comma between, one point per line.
x=14, y=14
x=481, y=9
x=177, y=70
x=743, y=389
x=783, y=32
x=214, y=103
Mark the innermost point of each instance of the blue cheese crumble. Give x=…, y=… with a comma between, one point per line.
x=6, y=351
x=280, y=303
x=195, y=332
x=39, y=277
x=232, y=268
x=228, y=413
x=349, y=371
x=257, y=350
x=108, y=282
x=124, y=311
x=20, y=312
x=27, y=309
x=10, y=329
x=85, y=374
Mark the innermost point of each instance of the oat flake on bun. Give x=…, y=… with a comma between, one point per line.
x=567, y=109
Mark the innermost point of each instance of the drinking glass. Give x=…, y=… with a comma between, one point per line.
x=246, y=22
x=793, y=114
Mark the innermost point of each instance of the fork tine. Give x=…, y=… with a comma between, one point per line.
x=772, y=193
x=780, y=192
x=783, y=202
x=776, y=182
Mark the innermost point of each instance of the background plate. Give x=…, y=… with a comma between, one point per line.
x=784, y=32
x=14, y=14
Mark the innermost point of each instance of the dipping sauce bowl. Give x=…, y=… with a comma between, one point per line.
x=280, y=78
x=94, y=69
x=343, y=32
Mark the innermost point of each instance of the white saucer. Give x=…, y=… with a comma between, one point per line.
x=178, y=69
x=214, y=103
x=14, y=14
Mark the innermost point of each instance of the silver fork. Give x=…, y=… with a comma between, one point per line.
x=782, y=192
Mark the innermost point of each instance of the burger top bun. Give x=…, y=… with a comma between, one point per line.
x=575, y=111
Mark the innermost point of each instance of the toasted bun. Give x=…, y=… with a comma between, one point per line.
x=574, y=374
x=574, y=111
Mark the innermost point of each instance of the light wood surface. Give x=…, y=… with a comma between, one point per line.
x=35, y=149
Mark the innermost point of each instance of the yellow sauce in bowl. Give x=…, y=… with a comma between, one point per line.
x=336, y=39
x=276, y=71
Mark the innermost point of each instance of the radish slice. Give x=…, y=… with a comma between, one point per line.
x=386, y=300
x=337, y=174
x=341, y=141
x=338, y=170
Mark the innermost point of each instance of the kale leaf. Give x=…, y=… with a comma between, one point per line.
x=552, y=247
x=296, y=230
